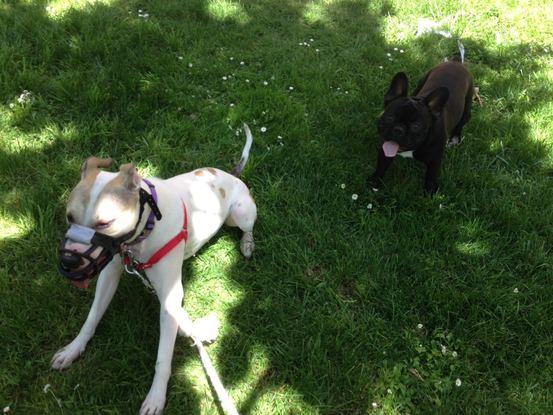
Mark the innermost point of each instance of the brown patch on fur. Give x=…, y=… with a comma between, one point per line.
x=212, y=171
x=222, y=191
x=199, y=172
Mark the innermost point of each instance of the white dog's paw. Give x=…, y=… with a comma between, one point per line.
x=67, y=355
x=247, y=245
x=154, y=403
x=206, y=328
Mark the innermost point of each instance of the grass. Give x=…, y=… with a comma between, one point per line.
x=324, y=319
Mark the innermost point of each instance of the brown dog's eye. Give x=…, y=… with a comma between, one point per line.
x=416, y=127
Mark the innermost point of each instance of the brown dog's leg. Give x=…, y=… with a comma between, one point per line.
x=382, y=165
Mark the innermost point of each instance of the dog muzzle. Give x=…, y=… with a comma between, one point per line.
x=97, y=250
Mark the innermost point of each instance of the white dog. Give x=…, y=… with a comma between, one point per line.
x=111, y=217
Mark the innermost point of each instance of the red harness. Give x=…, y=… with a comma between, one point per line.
x=164, y=250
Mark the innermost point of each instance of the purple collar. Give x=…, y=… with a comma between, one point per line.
x=155, y=213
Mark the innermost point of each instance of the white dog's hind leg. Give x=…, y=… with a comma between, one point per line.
x=204, y=329
x=243, y=214
x=105, y=289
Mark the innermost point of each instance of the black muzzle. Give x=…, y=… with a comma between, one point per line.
x=101, y=249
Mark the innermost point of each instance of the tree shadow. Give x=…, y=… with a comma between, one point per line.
x=331, y=285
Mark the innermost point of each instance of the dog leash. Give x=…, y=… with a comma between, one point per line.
x=224, y=398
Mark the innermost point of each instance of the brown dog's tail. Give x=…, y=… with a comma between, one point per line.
x=245, y=152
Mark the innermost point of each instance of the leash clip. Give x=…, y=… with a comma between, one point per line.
x=130, y=264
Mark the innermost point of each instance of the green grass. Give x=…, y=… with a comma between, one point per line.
x=323, y=319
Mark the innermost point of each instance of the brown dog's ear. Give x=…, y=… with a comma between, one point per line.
x=437, y=99
x=398, y=88
x=130, y=177
x=93, y=163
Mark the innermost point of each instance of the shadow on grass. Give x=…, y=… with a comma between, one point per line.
x=333, y=291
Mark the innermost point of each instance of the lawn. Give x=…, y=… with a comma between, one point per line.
x=388, y=303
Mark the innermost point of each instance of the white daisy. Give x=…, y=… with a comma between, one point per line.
x=374, y=405
x=190, y=65
x=242, y=63
x=263, y=129
x=46, y=388
x=291, y=88
x=354, y=196
x=224, y=78
x=454, y=353
x=265, y=83
x=420, y=326
x=370, y=206
x=458, y=382
x=515, y=290
x=343, y=186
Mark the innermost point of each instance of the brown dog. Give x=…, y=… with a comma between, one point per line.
x=419, y=125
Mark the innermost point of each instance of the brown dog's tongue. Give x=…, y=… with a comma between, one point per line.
x=390, y=148
x=83, y=284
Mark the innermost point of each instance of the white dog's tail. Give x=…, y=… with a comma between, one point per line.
x=245, y=152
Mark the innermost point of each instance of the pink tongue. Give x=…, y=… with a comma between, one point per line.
x=390, y=148
x=81, y=284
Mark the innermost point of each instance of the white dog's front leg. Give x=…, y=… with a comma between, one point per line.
x=170, y=303
x=105, y=289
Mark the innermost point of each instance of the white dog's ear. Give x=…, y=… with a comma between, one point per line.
x=93, y=163
x=130, y=176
